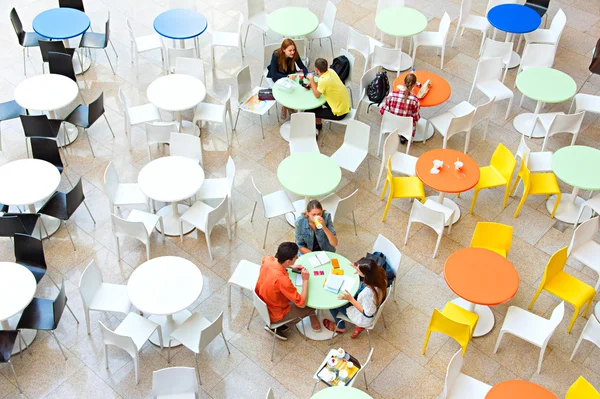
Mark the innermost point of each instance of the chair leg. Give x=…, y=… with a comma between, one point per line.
x=71, y=238
x=273, y=346
x=508, y=108
x=226, y=345
x=262, y=127
x=110, y=63
x=407, y=231
x=542, y=350
x=90, y=213
x=14, y=375
x=475, y=194
x=498, y=341
x=437, y=244
x=236, y=121
x=556, y=203
x=207, y=236
x=24, y=64
x=197, y=369
x=266, y=231
x=251, y=316
x=109, y=126
x=426, y=341
x=314, y=387
x=85, y=132
x=246, y=37
x=73, y=314
x=354, y=222
x=169, y=352
x=59, y=345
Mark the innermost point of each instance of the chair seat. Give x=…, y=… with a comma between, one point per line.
x=436, y=206
x=321, y=32
x=148, y=219
x=225, y=39
x=348, y=157
x=408, y=187
x=245, y=274
x=260, y=111
x=589, y=255
x=79, y=116
x=37, y=271
x=38, y=315
x=570, y=289
x=209, y=112
x=7, y=343
x=404, y=163
x=143, y=113
x=441, y=122
x=111, y=298
x=277, y=204
x=428, y=39
x=197, y=214
x=476, y=22
x=31, y=39
x=189, y=332
x=546, y=119
x=137, y=327
x=541, y=10
x=349, y=116
x=543, y=183
x=466, y=387
x=495, y=88
x=585, y=102
x=129, y=194
x=93, y=40
x=526, y=325
x=149, y=42
x=213, y=189
x=543, y=36
x=56, y=206
x=540, y=161
x=10, y=110
x=489, y=177
x=461, y=109
x=460, y=315
x=260, y=21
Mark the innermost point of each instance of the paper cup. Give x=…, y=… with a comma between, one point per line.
x=458, y=165
x=349, y=365
x=437, y=163
x=434, y=171
x=340, y=353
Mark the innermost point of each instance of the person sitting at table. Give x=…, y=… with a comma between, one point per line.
x=311, y=238
x=279, y=293
x=403, y=102
x=337, y=99
x=285, y=62
x=362, y=310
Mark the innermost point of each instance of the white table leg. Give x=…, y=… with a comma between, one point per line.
x=51, y=224
x=441, y=199
x=11, y=324
x=407, y=61
x=420, y=134
x=168, y=324
x=171, y=214
x=515, y=58
x=72, y=131
x=524, y=123
x=568, y=208
x=486, y=317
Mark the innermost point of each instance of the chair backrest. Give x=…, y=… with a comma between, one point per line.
x=58, y=305
x=591, y=331
x=362, y=369
x=422, y=214
x=584, y=233
x=217, y=214
x=390, y=145
x=557, y=315
x=492, y=235
x=186, y=145
x=131, y=34
x=453, y=372
x=367, y=78
x=126, y=228
x=390, y=57
x=111, y=182
x=47, y=46
x=210, y=332
x=61, y=64
x=329, y=15
x=503, y=161
x=494, y=3
x=76, y=4
x=595, y=63
x=359, y=42
x=29, y=250
x=244, y=83
x=558, y=24
x=494, y=49
x=379, y=313
x=8, y=339
x=537, y=55
x=89, y=283
x=255, y=7
x=301, y=49
x=357, y=135
x=538, y=3
x=445, y=325
x=174, y=53
x=37, y=125
x=488, y=69
x=483, y=111
x=17, y=25
x=268, y=52
x=124, y=342
x=75, y=197
x=465, y=9
x=565, y=123
x=174, y=381
x=555, y=265
x=403, y=125
x=106, y=31
x=46, y=149
x=582, y=389
x=261, y=308
x=346, y=205
x=460, y=124
x=159, y=132
x=11, y=225
x=185, y=4
x=123, y=101
x=392, y=253
x=383, y=4
x=258, y=197
x=444, y=26
x=525, y=174
x=96, y=109
x=190, y=66
x=302, y=129
x=270, y=394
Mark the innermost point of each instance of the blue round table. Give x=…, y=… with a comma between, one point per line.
x=513, y=19
x=180, y=24
x=63, y=24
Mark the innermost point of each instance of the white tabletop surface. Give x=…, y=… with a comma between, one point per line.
x=171, y=179
x=176, y=92
x=165, y=285
x=27, y=181
x=18, y=290
x=47, y=92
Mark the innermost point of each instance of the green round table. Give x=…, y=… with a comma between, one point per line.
x=578, y=166
x=401, y=22
x=300, y=99
x=341, y=393
x=544, y=85
x=293, y=21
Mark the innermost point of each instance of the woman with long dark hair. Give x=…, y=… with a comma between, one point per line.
x=403, y=102
x=314, y=230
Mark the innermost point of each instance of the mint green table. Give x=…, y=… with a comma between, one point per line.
x=401, y=22
x=310, y=175
x=293, y=21
x=341, y=393
x=545, y=85
x=578, y=166
x=318, y=297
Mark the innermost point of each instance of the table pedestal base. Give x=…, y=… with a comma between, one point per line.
x=515, y=60
x=406, y=63
x=171, y=214
x=568, y=209
x=284, y=131
x=524, y=123
x=50, y=223
x=77, y=66
x=450, y=204
x=168, y=325
x=321, y=335
x=300, y=206
x=28, y=335
x=486, y=317
x=420, y=133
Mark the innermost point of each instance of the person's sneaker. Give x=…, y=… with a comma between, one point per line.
x=278, y=334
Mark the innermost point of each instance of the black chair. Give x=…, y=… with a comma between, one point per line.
x=9, y=110
x=44, y=315
x=26, y=39
x=85, y=116
x=46, y=149
x=539, y=6
x=62, y=64
x=3, y=208
x=56, y=46
x=76, y=4
x=18, y=223
x=7, y=343
x=41, y=126
x=92, y=40
x=63, y=205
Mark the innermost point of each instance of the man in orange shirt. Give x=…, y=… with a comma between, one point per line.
x=276, y=289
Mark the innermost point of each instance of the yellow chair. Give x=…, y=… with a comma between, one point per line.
x=455, y=322
x=536, y=184
x=568, y=288
x=582, y=389
x=401, y=187
x=498, y=173
x=496, y=237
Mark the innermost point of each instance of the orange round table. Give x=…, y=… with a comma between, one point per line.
x=519, y=389
x=438, y=94
x=449, y=180
x=481, y=278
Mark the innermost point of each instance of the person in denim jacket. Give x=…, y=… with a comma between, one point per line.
x=309, y=238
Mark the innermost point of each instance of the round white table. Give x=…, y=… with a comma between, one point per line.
x=176, y=93
x=48, y=93
x=25, y=182
x=164, y=287
x=14, y=297
x=171, y=179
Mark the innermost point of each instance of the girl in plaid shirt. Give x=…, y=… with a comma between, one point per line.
x=403, y=103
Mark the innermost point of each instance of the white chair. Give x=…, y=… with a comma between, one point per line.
x=270, y=394
x=174, y=53
x=495, y=49
x=551, y=35
x=340, y=207
x=100, y=296
x=591, y=332
x=350, y=116
x=301, y=48
x=487, y=80
x=382, y=5
x=120, y=194
x=362, y=371
x=536, y=55
x=471, y=21
x=583, y=247
x=585, y=102
x=185, y=4
x=530, y=327
x=215, y=113
x=267, y=55
x=433, y=39
x=461, y=386
x=144, y=43
x=196, y=333
x=392, y=255
x=219, y=187
x=175, y=382
x=325, y=28
x=274, y=204
x=351, y=382
x=493, y=3
x=133, y=332
x=355, y=148
x=365, y=80
x=363, y=44
x=593, y=203
x=139, y=225
x=482, y=112
x=159, y=133
x=388, y=58
x=256, y=17
x=204, y=217
x=245, y=276
x=536, y=161
x=227, y=39
x=137, y=115
x=401, y=163
x=448, y=125
x=390, y=123
x=186, y=145
x=435, y=219
x=190, y=66
x=303, y=137
x=348, y=82
x=245, y=92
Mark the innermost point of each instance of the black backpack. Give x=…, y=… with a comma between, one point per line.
x=379, y=88
x=341, y=66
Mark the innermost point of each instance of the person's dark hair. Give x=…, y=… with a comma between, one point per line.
x=313, y=204
x=285, y=63
x=409, y=82
x=321, y=64
x=375, y=278
x=286, y=251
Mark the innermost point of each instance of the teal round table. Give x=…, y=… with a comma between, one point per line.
x=310, y=175
x=544, y=85
x=401, y=22
x=300, y=99
x=293, y=21
x=341, y=393
x=578, y=166
x=318, y=297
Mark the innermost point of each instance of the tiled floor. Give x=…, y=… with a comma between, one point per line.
x=398, y=370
